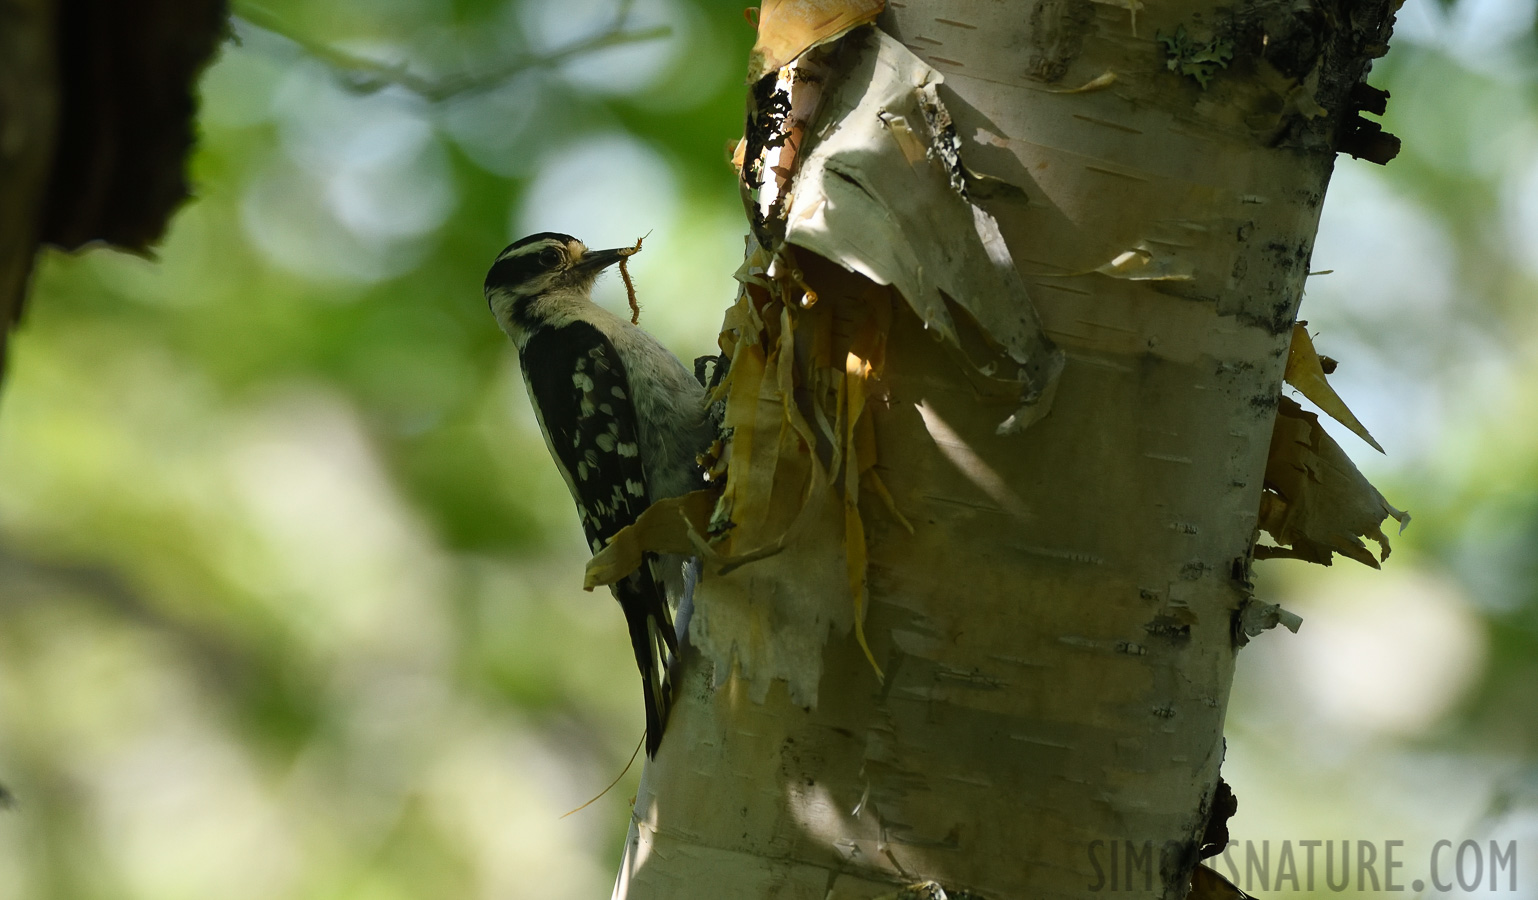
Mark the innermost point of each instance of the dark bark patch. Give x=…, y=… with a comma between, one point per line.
x=1055, y=36
x=767, y=126
x=1365, y=139
x=127, y=74
x=1222, y=808
x=1278, y=321
x=1172, y=628
x=1264, y=402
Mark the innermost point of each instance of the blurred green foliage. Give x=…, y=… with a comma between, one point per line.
x=292, y=599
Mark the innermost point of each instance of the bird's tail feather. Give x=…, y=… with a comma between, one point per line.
x=655, y=644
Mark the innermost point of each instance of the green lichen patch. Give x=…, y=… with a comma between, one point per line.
x=1192, y=57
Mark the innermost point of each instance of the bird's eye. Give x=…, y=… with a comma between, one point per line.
x=550, y=257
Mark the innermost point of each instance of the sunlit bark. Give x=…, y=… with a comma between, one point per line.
x=1057, y=632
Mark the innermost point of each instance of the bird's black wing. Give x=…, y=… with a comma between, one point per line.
x=582, y=396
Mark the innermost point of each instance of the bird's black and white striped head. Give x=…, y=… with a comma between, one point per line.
x=537, y=278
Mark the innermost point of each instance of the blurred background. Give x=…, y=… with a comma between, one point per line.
x=287, y=594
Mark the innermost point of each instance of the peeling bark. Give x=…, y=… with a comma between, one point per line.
x=975, y=654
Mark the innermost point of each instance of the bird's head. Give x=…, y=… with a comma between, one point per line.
x=545, y=265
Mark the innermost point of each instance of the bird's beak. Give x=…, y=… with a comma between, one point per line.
x=594, y=261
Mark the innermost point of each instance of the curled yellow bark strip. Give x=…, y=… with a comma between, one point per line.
x=663, y=528
x=1305, y=372
x=857, y=372
x=1316, y=503
x=789, y=28
x=1098, y=83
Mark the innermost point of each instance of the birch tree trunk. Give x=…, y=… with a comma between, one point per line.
x=1005, y=427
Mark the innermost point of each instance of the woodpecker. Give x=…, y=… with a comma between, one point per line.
x=623, y=419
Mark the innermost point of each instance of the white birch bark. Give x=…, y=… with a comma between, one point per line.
x=1057, y=632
